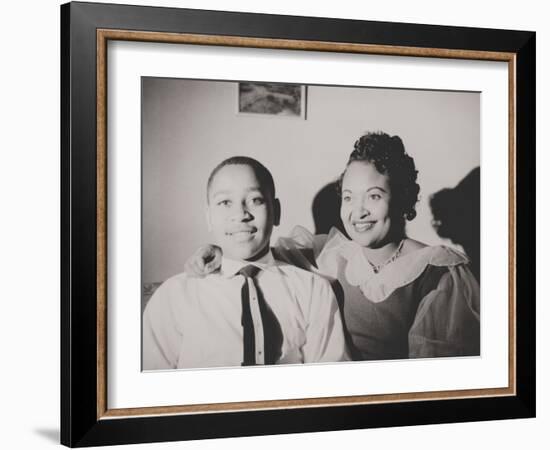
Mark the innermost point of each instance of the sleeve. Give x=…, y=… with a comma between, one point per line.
x=325, y=339
x=161, y=332
x=300, y=249
x=447, y=320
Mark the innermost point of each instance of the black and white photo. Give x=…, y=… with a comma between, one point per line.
x=328, y=240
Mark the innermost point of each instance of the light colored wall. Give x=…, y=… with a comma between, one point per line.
x=190, y=126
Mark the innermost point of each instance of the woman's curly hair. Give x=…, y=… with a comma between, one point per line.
x=388, y=155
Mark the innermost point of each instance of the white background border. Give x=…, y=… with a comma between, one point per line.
x=29, y=188
x=128, y=387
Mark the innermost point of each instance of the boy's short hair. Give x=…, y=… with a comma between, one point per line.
x=262, y=173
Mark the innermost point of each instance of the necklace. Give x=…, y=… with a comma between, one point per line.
x=377, y=267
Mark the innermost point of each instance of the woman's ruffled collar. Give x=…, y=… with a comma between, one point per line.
x=379, y=286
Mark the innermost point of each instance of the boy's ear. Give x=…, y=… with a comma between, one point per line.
x=208, y=220
x=276, y=212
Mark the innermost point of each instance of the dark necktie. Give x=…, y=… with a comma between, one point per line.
x=272, y=333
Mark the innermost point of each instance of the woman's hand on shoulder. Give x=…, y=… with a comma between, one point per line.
x=206, y=260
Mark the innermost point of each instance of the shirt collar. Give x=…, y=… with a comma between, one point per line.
x=230, y=267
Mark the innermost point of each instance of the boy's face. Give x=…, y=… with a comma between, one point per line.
x=240, y=213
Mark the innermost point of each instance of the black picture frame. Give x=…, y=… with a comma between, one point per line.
x=82, y=421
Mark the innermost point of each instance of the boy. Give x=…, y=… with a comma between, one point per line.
x=255, y=310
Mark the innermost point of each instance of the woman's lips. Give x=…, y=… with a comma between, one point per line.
x=361, y=227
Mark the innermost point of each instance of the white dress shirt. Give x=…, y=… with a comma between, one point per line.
x=196, y=322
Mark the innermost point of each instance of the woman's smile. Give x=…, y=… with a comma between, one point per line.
x=361, y=226
x=365, y=209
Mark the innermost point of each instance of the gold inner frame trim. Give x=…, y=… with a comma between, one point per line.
x=103, y=36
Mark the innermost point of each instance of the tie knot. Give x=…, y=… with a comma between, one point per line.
x=249, y=271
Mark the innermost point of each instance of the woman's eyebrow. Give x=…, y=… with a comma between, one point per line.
x=369, y=189
x=377, y=187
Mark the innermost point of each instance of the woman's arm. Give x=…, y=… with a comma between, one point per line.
x=204, y=261
x=300, y=249
x=447, y=321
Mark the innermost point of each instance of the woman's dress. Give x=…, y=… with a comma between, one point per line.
x=424, y=304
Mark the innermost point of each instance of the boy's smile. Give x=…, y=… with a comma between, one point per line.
x=242, y=233
x=241, y=215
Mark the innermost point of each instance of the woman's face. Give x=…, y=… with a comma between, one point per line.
x=365, y=209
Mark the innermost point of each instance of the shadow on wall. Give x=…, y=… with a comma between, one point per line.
x=326, y=210
x=456, y=216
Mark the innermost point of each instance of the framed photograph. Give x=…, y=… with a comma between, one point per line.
x=236, y=274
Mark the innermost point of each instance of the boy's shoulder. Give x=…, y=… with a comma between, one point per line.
x=176, y=287
x=190, y=283
x=175, y=281
x=312, y=277
x=178, y=291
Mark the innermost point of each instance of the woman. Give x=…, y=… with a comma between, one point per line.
x=401, y=298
